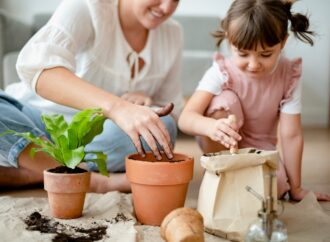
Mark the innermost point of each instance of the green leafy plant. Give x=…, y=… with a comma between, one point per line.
x=68, y=141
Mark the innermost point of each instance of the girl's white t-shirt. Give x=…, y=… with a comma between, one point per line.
x=85, y=36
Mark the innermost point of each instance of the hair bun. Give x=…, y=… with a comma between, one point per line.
x=299, y=22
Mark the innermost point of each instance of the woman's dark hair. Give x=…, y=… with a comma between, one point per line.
x=252, y=22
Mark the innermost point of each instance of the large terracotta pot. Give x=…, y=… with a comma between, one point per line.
x=158, y=187
x=66, y=193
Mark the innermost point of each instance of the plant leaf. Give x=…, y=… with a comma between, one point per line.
x=63, y=142
x=97, y=123
x=50, y=152
x=72, y=138
x=68, y=141
x=72, y=158
x=87, y=124
x=55, y=125
x=101, y=161
x=44, y=145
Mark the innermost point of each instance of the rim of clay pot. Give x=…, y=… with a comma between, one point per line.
x=61, y=182
x=159, y=172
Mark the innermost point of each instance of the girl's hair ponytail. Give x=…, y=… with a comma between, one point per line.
x=220, y=35
x=299, y=24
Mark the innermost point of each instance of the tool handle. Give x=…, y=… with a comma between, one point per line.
x=234, y=148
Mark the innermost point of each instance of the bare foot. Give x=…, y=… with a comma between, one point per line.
x=322, y=196
x=300, y=193
x=11, y=177
x=115, y=182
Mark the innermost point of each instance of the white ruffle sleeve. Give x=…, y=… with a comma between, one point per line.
x=57, y=43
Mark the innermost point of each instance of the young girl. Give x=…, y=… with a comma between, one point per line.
x=120, y=55
x=258, y=85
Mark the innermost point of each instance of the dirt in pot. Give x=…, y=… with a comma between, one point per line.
x=36, y=222
x=67, y=170
x=153, y=159
x=170, y=161
x=149, y=157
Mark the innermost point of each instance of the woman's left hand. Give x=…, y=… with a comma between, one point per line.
x=299, y=193
x=138, y=98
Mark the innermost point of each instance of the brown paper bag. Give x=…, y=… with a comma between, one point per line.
x=225, y=204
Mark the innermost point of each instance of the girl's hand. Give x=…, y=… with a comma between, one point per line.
x=138, y=98
x=299, y=193
x=225, y=132
x=142, y=121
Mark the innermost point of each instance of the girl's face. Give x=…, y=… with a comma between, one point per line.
x=152, y=13
x=257, y=63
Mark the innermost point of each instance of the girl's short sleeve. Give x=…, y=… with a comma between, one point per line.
x=291, y=102
x=56, y=44
x=214, y=77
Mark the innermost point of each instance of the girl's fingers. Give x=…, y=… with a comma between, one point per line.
x=230, y=128
x=228, y=134
x=224, y=139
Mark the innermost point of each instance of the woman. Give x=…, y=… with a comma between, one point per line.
x=120, y=55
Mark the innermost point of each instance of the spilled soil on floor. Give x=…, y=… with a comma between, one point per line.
x=63, y=232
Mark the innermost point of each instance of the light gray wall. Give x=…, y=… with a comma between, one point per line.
x=25, y=9
x=316, y=59
x=316, y=63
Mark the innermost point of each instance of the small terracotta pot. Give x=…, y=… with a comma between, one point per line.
x=158, y=187
x=183, y=225
x=66, y=193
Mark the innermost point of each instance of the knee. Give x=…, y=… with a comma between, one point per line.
x=171, y=127
x=227, y=102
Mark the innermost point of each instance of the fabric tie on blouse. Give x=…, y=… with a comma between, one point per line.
x=133, y=62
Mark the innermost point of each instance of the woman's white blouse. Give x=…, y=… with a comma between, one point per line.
x=85, y=37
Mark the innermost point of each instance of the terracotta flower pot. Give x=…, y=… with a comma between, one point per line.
x=158, y=187
x=183, y=225
x=66, y=193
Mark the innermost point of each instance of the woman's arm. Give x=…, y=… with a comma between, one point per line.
x=62, y=86
x=292, y=143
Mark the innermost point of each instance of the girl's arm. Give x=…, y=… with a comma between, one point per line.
x=192, y=121
x=292, y=143
x=62, y=86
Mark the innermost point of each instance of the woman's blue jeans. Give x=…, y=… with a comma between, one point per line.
x=114, y=142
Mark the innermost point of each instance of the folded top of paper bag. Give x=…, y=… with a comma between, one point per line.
x=225, y=161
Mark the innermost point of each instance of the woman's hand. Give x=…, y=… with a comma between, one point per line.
x=225, y=132
x=136, y=121
x=138, y=98
x=165, y=110
x=299, y=193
